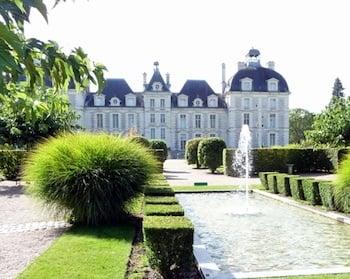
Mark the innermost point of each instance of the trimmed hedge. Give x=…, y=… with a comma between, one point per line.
x=276, y=159
x=11, y=162
x=161, y=200
x=164, y=210
x=159, y=144
x=311, y=191
x=296, y=187
x=210, y=152
x=169, y=243
x=327, y=194
x=191, y=151
x=263, y=178
x=272, y=183
x=159, y=191
x=283, y=183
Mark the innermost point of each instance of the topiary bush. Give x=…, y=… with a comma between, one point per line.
x=283, y=183
x=342, y=186
x=263, y=178
x=327, y=194
x=88, y=176
x=161, y=200
x=191, y=151
x=272, y=183
x=210, y=152
x=296, y=187
x=11, y=162
x=164, y=210
x=311, y=191
x=160, y=144
x=140, y=140
x=159, y=191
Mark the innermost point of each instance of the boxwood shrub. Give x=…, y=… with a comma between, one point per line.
x=157, y=145
x=210, y=152
x=161, y=200
x=164, y=210
x=311, y=191
x=169, y=241
x=228, y=158
x=159, y=191
x=272, y=183
x=296, y=187
x=327, y=194
x=283, y=183
x=88, y=176
x=191, y=151
x=263, y=178
x=11, y=163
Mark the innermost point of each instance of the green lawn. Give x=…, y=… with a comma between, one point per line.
x=220, y=188
x=85, y=252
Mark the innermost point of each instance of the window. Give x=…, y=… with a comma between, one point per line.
x=183, y=121
x=99, y=118
x=273, y=103
x=197, y=102
x=198, y=121
x=246, y=103
x=272, y=120
x=99, y=100
x=212, y=118
x=197, y=135
x=131, y=120
x=182, y=101
x=115, y=121
x=272, y=84
x=130, y=100
x=212, y=135
x=152, y=118
x=162, y=118
x=157, y=86
x=246, y=84
x=212, y=101
x=246, y=119
x=115, y=102
x=153, y=133
x=272, y=139
x=162, y=103
x=182, y=141
x=162, y=133
x=152, y=103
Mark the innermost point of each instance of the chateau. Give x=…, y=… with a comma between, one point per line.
x=255, y=95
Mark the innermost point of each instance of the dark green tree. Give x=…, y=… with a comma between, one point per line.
x=338, y=89
x=300, y=120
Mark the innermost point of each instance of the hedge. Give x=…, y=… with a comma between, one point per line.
x=159, y=191
x=263, y=178
x=159, y=144
x=11, y=162
x=272, y=183
x=191, y=151
x=161, y=200
x=327, y=194
x=311, y=191
x=169, y=243
x=296, y=187
x=276, y=159
x=164, y=210
x=283, y=183
x=210, y=152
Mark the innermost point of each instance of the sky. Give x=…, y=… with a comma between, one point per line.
x=308, y=40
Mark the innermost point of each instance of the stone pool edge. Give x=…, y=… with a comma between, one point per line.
x=209, y=269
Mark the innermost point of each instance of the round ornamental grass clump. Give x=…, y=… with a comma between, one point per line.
x=342, y=186
x=88, y=176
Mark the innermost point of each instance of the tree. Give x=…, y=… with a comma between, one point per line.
x=338, y=89
x=37, y=61
x=300, y=120
x=332, y=126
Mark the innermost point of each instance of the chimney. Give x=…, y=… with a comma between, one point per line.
x=223, y=77
x=241, y=65
x=271, y=65
x=167, y=75
x=145, y=80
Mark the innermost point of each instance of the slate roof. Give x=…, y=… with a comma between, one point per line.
x=197, y=89
x=259, y=75
x=157, y=77
x=114, y=88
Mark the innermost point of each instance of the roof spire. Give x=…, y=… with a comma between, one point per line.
x=156, y=66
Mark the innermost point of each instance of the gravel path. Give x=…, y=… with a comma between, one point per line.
x=26, y=229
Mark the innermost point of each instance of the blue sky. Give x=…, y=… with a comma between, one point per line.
x=308, y=40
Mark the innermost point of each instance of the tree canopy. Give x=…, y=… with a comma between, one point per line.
x=338, y=89
x=300, y=120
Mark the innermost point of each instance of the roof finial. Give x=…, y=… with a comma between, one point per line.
x=156, y=65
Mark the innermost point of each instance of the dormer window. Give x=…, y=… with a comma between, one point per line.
x=246, y=84
x=157, y=86
x=182, y=101
x=197, y=102
x=272, y=85
x=130, y=100
x=99, y=100
x=212, y=101
x=114, y=102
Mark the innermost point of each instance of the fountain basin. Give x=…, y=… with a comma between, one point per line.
x=281, y=237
